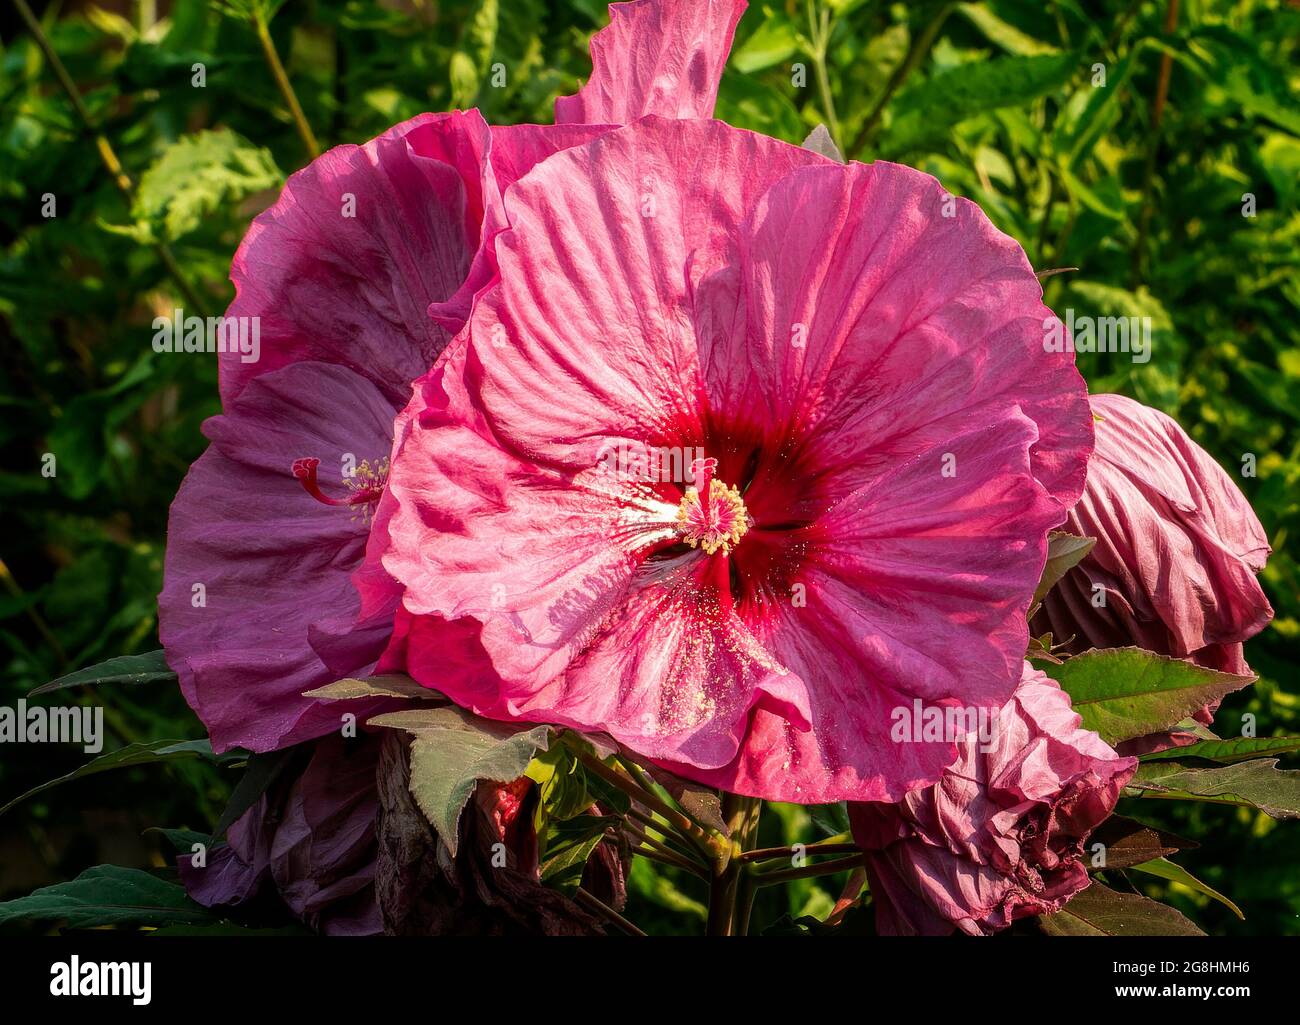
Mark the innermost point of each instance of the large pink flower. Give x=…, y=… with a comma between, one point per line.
x=876, y=441
x=257, y=568
x=1178, y=547
x=358, y=276
x=1001, y=835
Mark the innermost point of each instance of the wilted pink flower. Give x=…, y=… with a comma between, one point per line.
x=317, y=843
x=1178, y=547
x=357, y=277
x=875, y=439
x=310, y=840
x=1001, y=835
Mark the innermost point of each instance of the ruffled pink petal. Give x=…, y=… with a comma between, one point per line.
x=655, y=57
x=595, y=303
x=869, y=326
x=516, y=149
x=355, y=290
x=630, y=270
x=1000, y=835
x=1178, y=545
x=272, y=561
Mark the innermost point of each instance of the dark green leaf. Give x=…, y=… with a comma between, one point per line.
x=133, y=754
x=125, y=670
x=1123, y=693
x=1254, y=784
x=1101, y=911
x=1166, y=869
x=1234, y=749
x=107, y=895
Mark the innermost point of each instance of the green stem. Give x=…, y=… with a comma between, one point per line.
x=600, y=908
x=915, y=54
x=831, y=846
x=741, y=815
x=1153, y=146
x=285, y=86
x=672, y=843
x=819, y=29
x=826, y=868
x=710, y=846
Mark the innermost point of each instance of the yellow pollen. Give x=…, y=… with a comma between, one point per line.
x=719, y=522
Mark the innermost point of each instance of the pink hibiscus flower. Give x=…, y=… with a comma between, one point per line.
x=1001, y=835
x=865, y=444
x=358, y=276
x=1178, y=548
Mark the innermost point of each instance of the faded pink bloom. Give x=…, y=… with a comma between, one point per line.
x=875, y=440
x=1001, y=835
x=310, y=841
x=1178, y=547
x=358, y=276
x=257, y=604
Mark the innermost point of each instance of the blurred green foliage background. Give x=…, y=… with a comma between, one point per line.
x=1048, y=114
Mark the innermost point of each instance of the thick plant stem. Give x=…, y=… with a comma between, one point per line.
x=741, y=815
x=285, y=86
x=106, y=154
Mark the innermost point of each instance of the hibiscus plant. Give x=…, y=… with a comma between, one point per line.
x=602, y=489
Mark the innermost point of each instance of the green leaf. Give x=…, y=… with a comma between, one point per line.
x=925, y=112
x=1101, y=911
x=263, y=769
x=831, y=819
x=774, y=40
x=452, y=750
x=125, y=670
x=1074, y=138
x=1004, y=34
x=108, y=895
x=199, y=175
x=564, y=792
x=1123, y=693
x=1234, y=749
x=1064, y=552
x=1254, y=784
x=386, y=685
x=147, y=753
x=563, y=870
x=1129, y=842
x=1166, y=869
x=701, y=803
